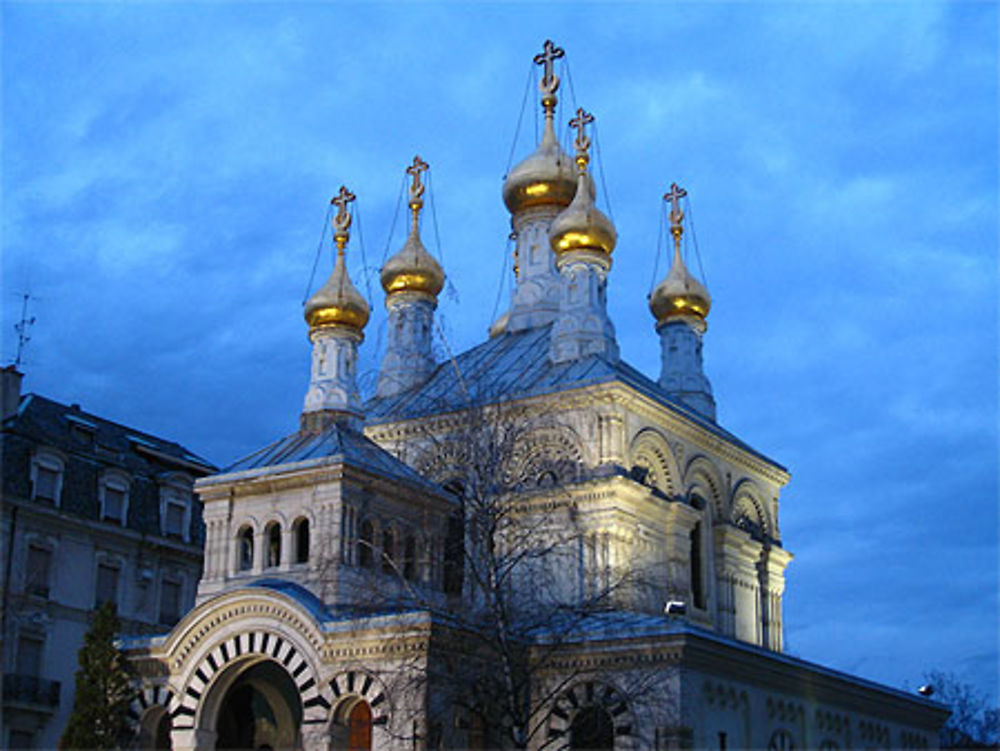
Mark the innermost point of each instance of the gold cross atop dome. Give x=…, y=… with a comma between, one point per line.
x=546, y=58
x=416, y=169
x=582, y=141
x=342, y=220
x=673, y=197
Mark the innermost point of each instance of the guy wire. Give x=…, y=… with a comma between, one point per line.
x=319, y=252
x=694, y=240
x=660, y=232
x=395, y=217
x=520, y=116
x=364, y=257
x=600, y=168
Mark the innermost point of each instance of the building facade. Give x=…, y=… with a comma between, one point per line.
x=92, y=511
x=531, y=544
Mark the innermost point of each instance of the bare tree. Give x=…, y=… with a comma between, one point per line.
x=973, y=722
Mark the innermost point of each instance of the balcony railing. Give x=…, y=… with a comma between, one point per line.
x=29, y=689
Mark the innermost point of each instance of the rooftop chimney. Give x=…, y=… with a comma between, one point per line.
x=10, y=390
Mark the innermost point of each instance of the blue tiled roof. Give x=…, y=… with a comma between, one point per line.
x=336, y=443
x=297, y=592
x=515, y=366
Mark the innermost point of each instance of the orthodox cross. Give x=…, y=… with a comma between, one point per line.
x=579, y=122
x=342, y=221
x=673, y=197
x=418, y=167
x=549, y=54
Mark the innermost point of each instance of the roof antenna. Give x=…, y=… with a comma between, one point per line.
x=22, y=327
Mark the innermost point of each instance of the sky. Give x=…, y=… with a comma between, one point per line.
x=167, y=168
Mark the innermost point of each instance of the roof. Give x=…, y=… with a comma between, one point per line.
x=49, y=423
x=335, y=443
x=516, y=365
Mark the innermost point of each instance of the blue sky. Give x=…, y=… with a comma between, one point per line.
x=167, y=167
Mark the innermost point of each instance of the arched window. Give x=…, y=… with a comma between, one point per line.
x=273, y=545
x=366, y=544
x=245, y=539
x=592, y=729
x=114, y=492
x=359, y=727
x=410, y=558
x=388, y=550
x=302, y=541
x=697, y=569
x=454, y=555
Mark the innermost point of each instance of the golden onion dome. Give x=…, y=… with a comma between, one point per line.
x=680, y=295
x=338, y=302
x=413, y=268
x=544, y=178
x=582, y=226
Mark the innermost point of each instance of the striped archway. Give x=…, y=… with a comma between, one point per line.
x=260, y=644
x=590, y=694
x=363, y=685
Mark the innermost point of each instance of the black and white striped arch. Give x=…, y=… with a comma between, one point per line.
x=589, y=694
x=315, y=707
x=149, y=696
x=356, y=683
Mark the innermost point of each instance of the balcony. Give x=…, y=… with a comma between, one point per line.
x=30, y=690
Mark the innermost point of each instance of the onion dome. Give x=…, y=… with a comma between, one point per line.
x=680, y=295
x=582, y=227
x=413, y=268
x=546, y=177
x=338, y=302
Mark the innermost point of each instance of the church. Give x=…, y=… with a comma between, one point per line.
x=529, y=544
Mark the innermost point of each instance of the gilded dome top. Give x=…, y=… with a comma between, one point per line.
x=545, y=178
x=679, y=295
x=582, y=226
x=413, y=268
x=338, y=302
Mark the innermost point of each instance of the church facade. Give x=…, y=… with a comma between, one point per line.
x=530, y=544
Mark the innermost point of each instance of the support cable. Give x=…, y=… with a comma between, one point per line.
x=694, y=240
x=364, y=257
x=319, y=252
x=500, y=281
x=520, y=117
x=395, y=218
x=660, y=233
x=600, y=169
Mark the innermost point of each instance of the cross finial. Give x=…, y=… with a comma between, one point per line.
x=673, y=197
x=582, y=141
x=416, y=169
x=549, y=54
x=342, y=220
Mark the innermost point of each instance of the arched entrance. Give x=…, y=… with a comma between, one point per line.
x=259, y=709
x=154, y=730
x=592, y=730
x=352, y=729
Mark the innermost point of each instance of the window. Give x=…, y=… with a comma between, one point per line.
x=175, y=506
x=107, y=584
x=170, y=602
x=46, y=477
x=592, y=729
x=114, y=497
x=410, y=558
x=245, y=545
x=454, y=555
x=366, y=544
x=273, y=546
x=37, y=571
x=697, y=570
x=29, y=655
x=302, y=541
x=388, y=551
